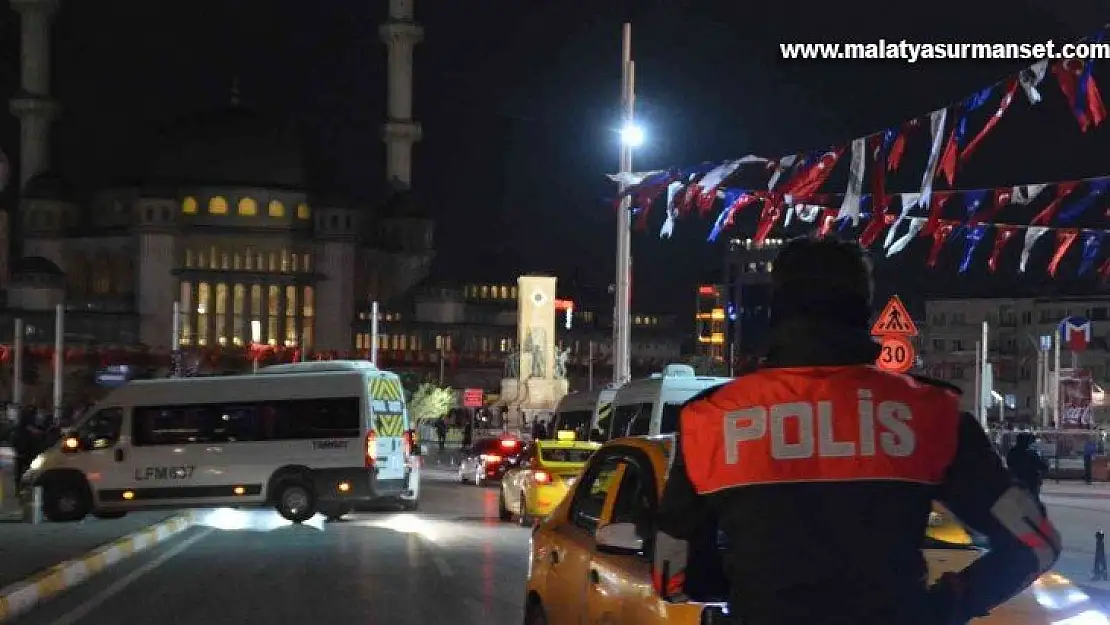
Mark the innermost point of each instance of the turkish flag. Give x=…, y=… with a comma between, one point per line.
x=1081, y=91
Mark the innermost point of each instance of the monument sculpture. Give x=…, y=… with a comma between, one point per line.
x=535, y=375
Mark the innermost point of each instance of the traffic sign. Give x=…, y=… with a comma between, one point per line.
x=896, y=354
x=895, y=320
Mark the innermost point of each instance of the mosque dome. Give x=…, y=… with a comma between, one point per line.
x=230, y=146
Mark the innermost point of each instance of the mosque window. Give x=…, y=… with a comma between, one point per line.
x=275, y=209
x=294, y=265
x=285, y=264
x=249, y=258
x=256, y=313
x=290, y=316
x=273, y=308
x=190, y=257
x=217, y=206
x=238, y=302
x=306, y=262
x=303, y=211
x=225, y=261
x=248, y=207
x=186, y=298
x=221, y=313
x=273, y=262
x=237, y=261
x=203, y=310
x=189, y=206
x=213, y=258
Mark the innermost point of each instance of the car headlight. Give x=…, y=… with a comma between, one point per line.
x=1087, y=617
x=37, y=463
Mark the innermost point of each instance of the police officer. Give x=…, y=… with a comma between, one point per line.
x=821, y=471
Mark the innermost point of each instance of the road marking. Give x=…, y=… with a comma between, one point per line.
x=121, y=584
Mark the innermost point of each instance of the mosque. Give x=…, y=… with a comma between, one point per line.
x=224, y=221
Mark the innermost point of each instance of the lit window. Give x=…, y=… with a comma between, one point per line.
x=275, y=209
x=189, y=206
x=189, y=258
x=273, y=261
x=273, y=307
x=217, y=206
x=504, y=294
x=256, y=313
x=203, y=309
x=237, y=261
x=290, y=316
x=213, y=258
x=285, y=260
x=306, y=262
x=248, y=257
x=221, y=313
x=186, y=304
x=513, y=291
x=248, y=207
x=238, y=298
x=308, y=302
x=485, y=292
x=303, y=211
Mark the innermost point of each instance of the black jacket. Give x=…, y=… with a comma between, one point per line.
x=838, y=552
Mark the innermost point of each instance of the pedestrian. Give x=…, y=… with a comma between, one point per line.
x=441, y=432
x=1089, y=451
x=820, y=472
x=1026, y=463
x=468, y=433
x=26, y=441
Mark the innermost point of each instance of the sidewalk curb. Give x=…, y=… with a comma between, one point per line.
x=18, y=598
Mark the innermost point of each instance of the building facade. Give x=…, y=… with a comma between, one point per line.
x=223, y=220
x=747, y=297
x=952, y=329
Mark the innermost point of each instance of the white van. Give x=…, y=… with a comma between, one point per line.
x=305, y=438
x=586, y=413
x=650, y=406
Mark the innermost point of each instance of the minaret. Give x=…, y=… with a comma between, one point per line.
x=400, y=34
x=33, y=104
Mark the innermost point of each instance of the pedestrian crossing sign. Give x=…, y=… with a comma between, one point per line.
x=895, y=320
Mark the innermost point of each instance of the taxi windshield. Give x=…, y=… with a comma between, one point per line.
x=565, y=454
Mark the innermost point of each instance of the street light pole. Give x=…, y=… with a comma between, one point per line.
x=621, y=322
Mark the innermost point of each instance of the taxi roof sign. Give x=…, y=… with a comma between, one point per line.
x=895, y=320
x=565, y=435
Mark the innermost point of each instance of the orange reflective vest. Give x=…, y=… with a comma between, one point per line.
x=819, y=424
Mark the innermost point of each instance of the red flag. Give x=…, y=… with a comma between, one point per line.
x=936, y=209
x=878, y=184
x=1046, y=215
x=1064, y=239
x=1003, y=236
x=898, y=148
x=948, y=158
x=1007, y=100
x=772, y=210
x=940, y=235
x=1001, y=197
x=827, y=218
x=1104, y=271
x=1091, y=111
x=879, y=221
x=808, y=180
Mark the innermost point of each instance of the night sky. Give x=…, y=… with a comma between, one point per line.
x=519, y=101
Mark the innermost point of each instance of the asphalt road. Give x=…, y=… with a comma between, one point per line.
x=451, y=562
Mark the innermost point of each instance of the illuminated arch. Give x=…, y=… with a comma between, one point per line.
x=217, y=206
x=248, y=207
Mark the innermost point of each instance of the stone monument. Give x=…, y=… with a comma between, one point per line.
x=535, y=375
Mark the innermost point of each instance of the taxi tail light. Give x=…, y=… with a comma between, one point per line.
x=541, y=477
x=491, y=458
x=371, y=449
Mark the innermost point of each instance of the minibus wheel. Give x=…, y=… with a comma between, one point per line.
x=65, y=500
x=295, y=501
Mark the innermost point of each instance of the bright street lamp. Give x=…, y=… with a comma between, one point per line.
x=632, y=135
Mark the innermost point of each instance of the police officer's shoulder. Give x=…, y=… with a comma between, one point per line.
x=948, y=386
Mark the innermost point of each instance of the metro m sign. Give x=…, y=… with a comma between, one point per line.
x=1075, y=333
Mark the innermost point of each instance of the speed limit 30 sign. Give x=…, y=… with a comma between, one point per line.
x=893, y=328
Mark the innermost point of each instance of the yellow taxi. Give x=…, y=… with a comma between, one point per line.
x=588, y=562
x=545, y=474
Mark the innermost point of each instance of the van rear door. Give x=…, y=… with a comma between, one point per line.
x=387, y=420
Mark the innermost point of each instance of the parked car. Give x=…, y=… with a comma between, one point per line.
x=488, y=459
